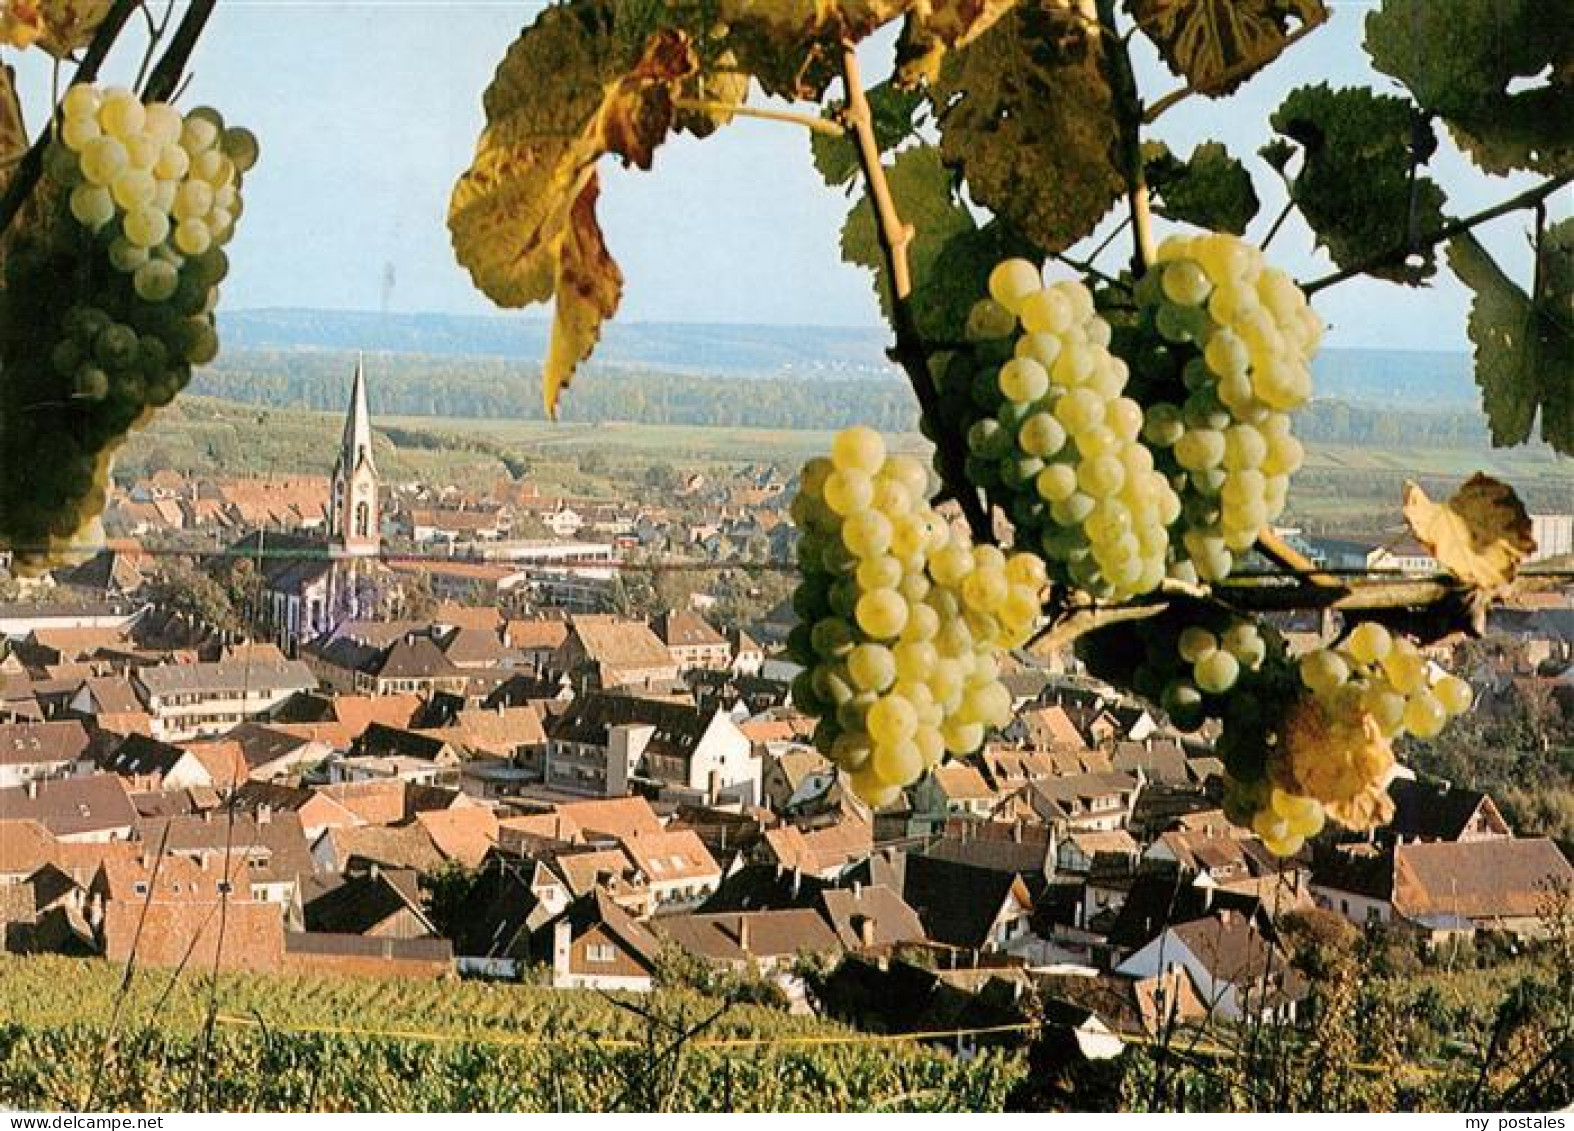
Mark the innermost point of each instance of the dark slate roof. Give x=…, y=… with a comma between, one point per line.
x=362, y=902
x=683, y=629
x=260, y=745
x=679, y=726
x=1431, y=810
x=498, y=917
x=1159, y=760
x=382, y=740
x=958, y=903
x=137, y=755
x=413, y=658
x=1160, y=899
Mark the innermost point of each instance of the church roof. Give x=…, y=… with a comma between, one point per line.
x=356, y=446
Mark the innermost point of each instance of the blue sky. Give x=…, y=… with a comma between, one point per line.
x=368, y=111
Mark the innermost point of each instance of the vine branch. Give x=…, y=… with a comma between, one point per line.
x=1129, y=117
x=167, y=73
x=809, y=122
x=31, y=168
x=1530, y=198
x=895, y=237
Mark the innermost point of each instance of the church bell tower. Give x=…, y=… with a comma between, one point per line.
x=353, y=518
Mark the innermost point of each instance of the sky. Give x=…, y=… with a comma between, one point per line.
x=367, y=113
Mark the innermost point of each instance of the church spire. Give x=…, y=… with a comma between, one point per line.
x=356, y=446
x=353, y=519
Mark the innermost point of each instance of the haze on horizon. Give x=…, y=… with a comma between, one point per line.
x=369, y=110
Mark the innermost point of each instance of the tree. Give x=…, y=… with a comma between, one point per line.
x=183, y=589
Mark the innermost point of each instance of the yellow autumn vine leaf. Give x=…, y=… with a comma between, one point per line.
x=1218, y=44
x=574, y=87
x=69, y=24
x=934, y=27
x=1480, y=535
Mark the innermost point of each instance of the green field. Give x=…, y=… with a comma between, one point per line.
x=1343, y=488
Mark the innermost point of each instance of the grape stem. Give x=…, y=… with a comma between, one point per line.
x=826, y=126
x=1530, y=198
x=31, y=168
x=908, y=352
x=167, y=73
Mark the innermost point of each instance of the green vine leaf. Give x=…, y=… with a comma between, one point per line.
x=1359, y=187
x=1030, y=94
x=1460, y=58
x=894, y=111
x=1210, y=189
x=575, y=86
x=1216, y=45
x=1524, y=345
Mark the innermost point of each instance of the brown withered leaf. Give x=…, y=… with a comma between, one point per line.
x=589, y=285
x=69, y=24
x=934, y=27
x=1218, y=44
x=574, y=87
x=794, y=47
x=1480, y=535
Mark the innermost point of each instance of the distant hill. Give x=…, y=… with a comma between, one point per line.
x=1414, y=380
x=835, y=352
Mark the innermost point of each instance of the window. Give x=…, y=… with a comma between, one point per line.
x=600, y=953
x=363, y=519
x=140, y=887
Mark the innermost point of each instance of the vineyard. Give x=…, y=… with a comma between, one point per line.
x=279, y=1046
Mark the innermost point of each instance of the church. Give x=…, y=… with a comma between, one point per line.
x=312, y=584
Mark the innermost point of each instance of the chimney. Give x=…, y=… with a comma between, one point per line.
x=32, y=789
x=264, y=814
x=743, y=932
x=866, y=931
x=797, y=880
x=858, y=889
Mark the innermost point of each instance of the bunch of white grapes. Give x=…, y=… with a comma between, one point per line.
x=165, y=186
x=1250, y=337
x=903, y=620
x=1386, y=677
x=108, y=303
x=1063, y=454
x=1333, y=756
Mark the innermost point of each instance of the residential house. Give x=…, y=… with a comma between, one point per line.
x=677, y=869
x=595, y=944
x=193, y=700
x=264, y=854
x=77, y=810
x=823, y=852
x=609, y=652
x=966, y=907
x=759, y=941
x=609, y=745
x=1428, y=811
x=952, y=789
x=382, y=903
x=35, y=751
x=148, y=764
x=692, y=642
x=1239, y=971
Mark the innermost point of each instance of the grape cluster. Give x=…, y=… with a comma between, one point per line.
x=1181, y=672
x=1062, y=452
x=902, y=619
x=1243, y=337
x=1332, y=749
x=109, y=302
x=1382, y=675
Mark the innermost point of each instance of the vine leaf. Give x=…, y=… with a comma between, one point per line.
x=1467, y=62
x=1216, y=45
x=572, y=88
x=794, y=47
x=1359, y=187
x=1480, y=535
x=893, y=110
x=13, y=139
x=1210, y=189
x=934, y=27
x=1030, y=94
x=950, y=255
x=1524, y=345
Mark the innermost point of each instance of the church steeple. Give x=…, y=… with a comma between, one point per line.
x=353, y=518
